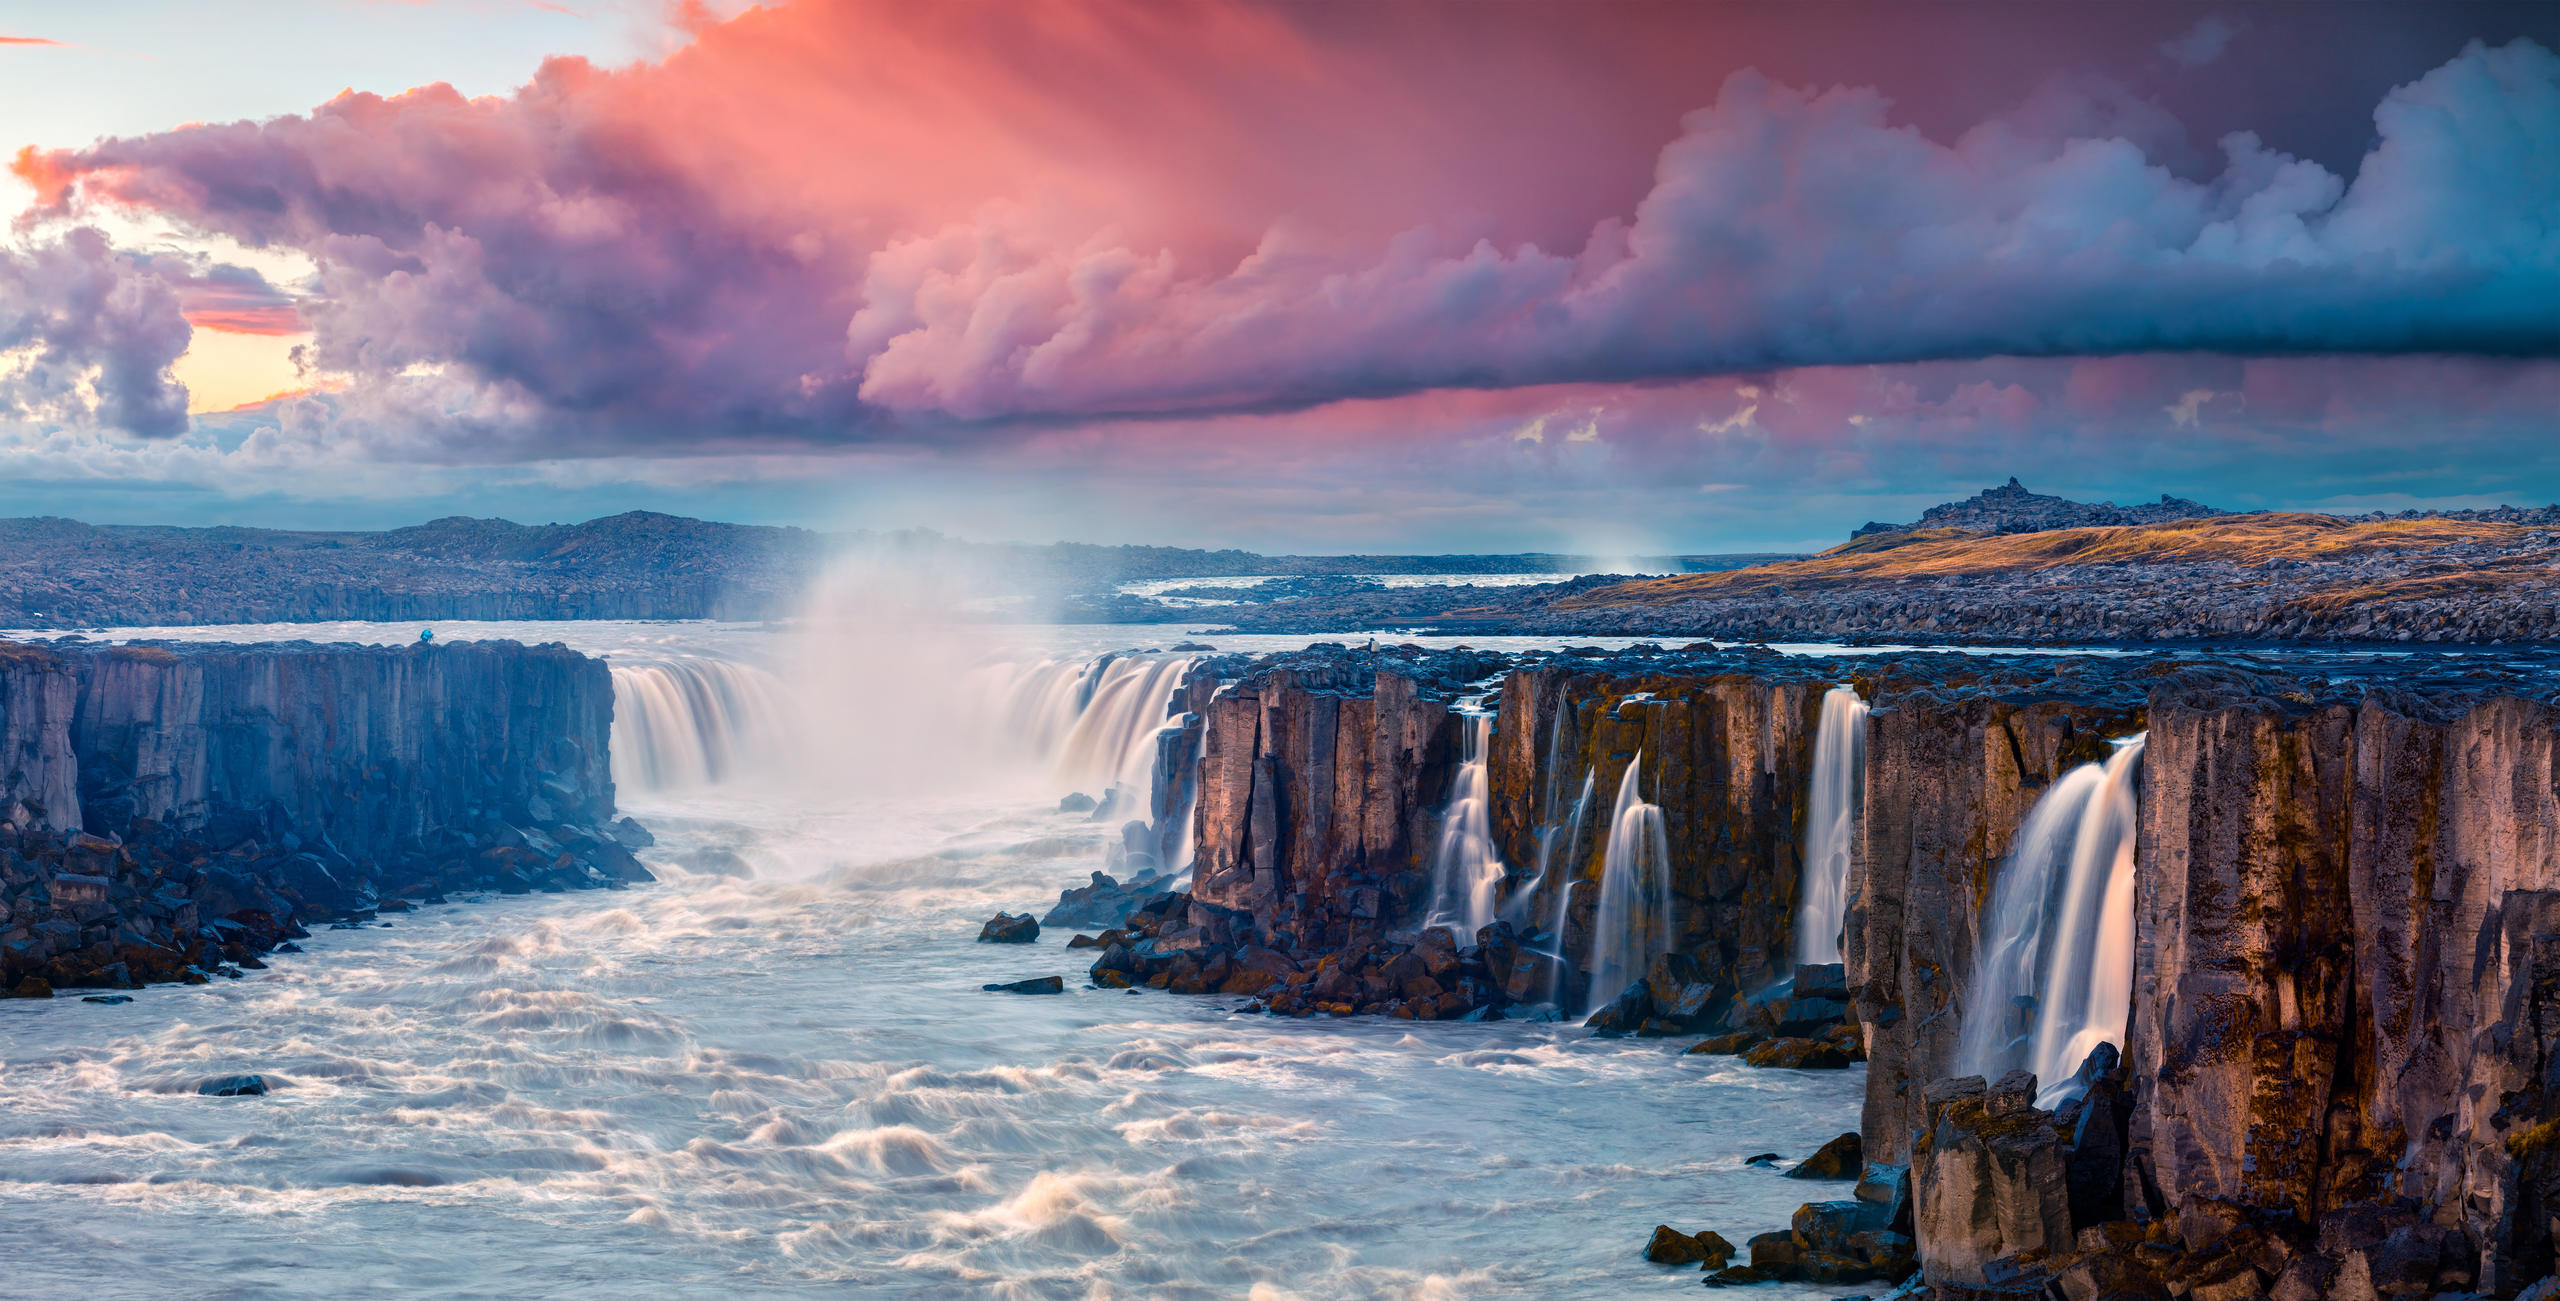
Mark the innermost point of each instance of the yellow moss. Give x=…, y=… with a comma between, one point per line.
x=2526, y=1145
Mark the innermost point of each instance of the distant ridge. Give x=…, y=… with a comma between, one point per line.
x=2010, y=508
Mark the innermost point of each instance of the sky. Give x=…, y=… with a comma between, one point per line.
x=1611, y=277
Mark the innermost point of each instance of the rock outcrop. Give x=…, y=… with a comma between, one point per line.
x=2335, y=1077
x=165, y=810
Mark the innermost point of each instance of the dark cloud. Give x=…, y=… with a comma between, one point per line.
x=852, y=222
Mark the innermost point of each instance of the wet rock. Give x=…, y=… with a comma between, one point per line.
x=233, y=1086
x=1624, y=1014
x=1672, y=1247
x=110, y=1000
x=1841, y=1158
x=1035, y=985
x=1989, y=1184
x=1009, y=928
x=1726, y=1045
x=1762, y=1159
x=1078, y=802
x=32, y=987
x=1796, y=1054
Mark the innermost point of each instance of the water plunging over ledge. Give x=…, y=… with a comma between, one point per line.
x=1634, y=918
x=2054, y=975
x=1466, y=870
x=1830, y=824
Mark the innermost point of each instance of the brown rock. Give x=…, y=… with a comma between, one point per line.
x=1841, y=1158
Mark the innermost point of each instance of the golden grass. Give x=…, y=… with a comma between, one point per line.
x=1932, y=554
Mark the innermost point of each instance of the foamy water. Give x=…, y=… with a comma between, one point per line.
x=775, y=1073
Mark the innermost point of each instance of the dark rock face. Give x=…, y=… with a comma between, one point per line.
x=234, y=1086
x=1009, y=928
x=1841, y=1158
x=174, y=809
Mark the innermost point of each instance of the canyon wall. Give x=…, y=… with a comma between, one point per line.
x=2341, y=1070
x=154, y=799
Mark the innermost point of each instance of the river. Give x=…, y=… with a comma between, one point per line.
x=775, y=1072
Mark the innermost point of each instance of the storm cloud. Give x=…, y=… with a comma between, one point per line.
x=835, y=223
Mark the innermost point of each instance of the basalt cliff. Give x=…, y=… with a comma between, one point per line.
x=2332, y=948
x=169, y=811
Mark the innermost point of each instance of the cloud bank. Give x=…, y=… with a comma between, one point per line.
x=866, y=222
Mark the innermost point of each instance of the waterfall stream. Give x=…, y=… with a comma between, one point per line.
x=1831, y=815
x=1466, y=871
x=696, y=722
x=1634, y=918
x=2054, y=975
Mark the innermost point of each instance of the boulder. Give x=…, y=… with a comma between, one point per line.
x=1009, y=928
x=1841, y=1158
x=233, y=1086
x=1035, y=985
x=1726, y=1045
x=1796, y=1054
x=1077, y=802
x=1672, y=1247
x=1624, y=1014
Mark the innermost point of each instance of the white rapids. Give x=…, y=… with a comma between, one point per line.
x=774, y=1073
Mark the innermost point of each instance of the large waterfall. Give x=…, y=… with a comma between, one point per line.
x=1095, y=721
x=696, y=722
x=2054, y=976
x=1830, y=825
x=1466, y=871
x=1633, y=922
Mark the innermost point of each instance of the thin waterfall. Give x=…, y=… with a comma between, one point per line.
x=2054, y=975
x=1830, y=825
x=697, y=722
x=1565, y=868
x=1559, y=832
x=1634, y=919
x=1466, y=871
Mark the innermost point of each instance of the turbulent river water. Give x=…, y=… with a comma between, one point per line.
x=774, y=1072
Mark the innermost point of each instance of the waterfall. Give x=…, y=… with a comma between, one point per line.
x=694, y=722
x=2054, y=977
x=1634, y=919
x=1094, y=721
x=1830, y=825
x=1465, y=869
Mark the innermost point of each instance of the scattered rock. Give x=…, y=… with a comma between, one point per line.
x=234, y=1086
x=1009, y=928
x=1765, y=1158
x=110, y=1000
x=1841, y=1158
x=1035, y=985
x=33, y=987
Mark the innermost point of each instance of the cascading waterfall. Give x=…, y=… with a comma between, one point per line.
x=695, y=722
x=1831, y=817
x=1466, y=871
x=1094, y=720
x=1634, y=918
x=2055, y=974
